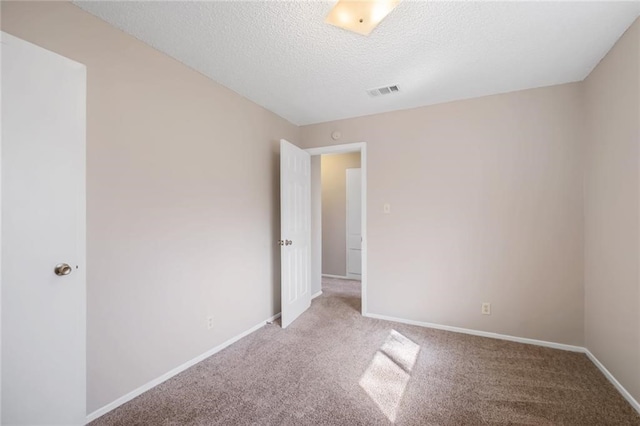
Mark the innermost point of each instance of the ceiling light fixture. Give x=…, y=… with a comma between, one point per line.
x=360, y=16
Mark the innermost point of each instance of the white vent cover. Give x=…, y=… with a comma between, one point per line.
x=386, y=90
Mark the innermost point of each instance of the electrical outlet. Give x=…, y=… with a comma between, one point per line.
x=486, y=308
x=209, y=323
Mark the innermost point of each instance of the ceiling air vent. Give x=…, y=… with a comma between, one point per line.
x=387, y=90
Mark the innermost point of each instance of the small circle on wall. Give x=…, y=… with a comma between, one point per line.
x=336, y=135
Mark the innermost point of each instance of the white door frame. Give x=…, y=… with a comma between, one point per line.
x=360, y=147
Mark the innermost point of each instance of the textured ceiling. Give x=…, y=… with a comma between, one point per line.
x=283, y=56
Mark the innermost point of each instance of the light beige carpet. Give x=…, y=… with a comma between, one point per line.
x=334, y=367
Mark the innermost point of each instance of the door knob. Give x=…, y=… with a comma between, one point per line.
x=62, y=269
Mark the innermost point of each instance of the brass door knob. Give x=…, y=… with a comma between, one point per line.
x=62, y=269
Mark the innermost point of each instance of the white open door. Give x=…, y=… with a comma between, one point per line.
x=295, y=231
x=43, y=236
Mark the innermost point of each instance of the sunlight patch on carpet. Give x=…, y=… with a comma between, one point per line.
x=386, y=378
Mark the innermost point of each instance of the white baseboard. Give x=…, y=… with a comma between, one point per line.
x=318, y=294
x=481, y=333
x=342, y=277
x=630, y=399
x=155, y=382
x=553, y=345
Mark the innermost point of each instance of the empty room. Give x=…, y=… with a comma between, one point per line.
x=298, y=212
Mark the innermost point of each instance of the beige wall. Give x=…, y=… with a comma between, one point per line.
x=334, y=211
x=486, y=206
x=612, y=216
x=182, y=201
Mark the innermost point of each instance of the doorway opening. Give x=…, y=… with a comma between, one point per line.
x=338, y=219
x=341, y=215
